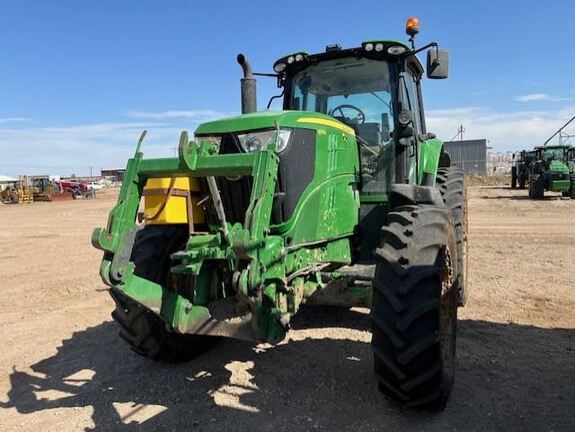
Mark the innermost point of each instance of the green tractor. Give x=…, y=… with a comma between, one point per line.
x=267, y=211
x=571, y=165
x=549, y=171
x=520, y=168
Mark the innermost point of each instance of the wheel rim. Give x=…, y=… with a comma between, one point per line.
x=447, y=316
x=464, y=258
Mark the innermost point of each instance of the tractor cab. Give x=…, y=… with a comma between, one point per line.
x=526, y=157
x=355, y=89
x=375, y=90
x=571, y=157
x=548, y=154
x=571, y=163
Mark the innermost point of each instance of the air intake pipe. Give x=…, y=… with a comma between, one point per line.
x=248, y=83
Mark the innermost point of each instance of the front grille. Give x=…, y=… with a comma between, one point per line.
x=235, y=192
x=235, y=196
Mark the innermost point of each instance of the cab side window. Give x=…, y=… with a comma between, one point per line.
x=410, y=100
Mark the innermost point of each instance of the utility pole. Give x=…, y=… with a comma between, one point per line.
x=90, y=172
x=564, y=138
x=559, y=131
x=460, y=132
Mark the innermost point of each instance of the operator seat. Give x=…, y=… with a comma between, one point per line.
x=371, y=133
x=369, y=148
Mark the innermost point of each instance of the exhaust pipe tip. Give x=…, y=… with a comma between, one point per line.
x=245, y=64
x=248, y=83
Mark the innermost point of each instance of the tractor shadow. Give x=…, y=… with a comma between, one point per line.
x=522, y=194
x=509, y=197
x=525, y=198
x=509, y=377
x=508, y=188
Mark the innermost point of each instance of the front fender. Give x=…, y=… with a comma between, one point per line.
x=428, y=163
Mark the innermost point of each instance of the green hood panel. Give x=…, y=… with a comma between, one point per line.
x=271, y=119
x=558, y=167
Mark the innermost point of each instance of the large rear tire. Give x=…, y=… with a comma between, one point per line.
x=572, y=189
x=451, y=182
x=143, y=330
x=513, y=177
x=14, y=197
x=414, y=313
x=522, y=181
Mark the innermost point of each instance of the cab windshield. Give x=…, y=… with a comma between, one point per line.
x=360, y=93
x=355, y=91
x=553, y=154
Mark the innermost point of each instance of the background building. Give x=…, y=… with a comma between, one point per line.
x=6, y=180
x=469, y=155
x=116, y=175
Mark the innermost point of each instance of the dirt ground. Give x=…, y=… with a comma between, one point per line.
x=63, y=367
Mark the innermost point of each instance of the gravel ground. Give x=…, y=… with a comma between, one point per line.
x=63, y=367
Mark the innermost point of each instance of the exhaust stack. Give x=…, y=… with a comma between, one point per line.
x=248, y=83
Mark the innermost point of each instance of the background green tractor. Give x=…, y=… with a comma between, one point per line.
x=267, y=211
x=571, y=165
x=520, y=169
x=549, y=171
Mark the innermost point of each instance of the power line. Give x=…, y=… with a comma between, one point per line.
x=459, y=133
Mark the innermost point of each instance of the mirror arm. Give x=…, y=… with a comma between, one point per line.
x=272, y=75
x=423, y=48
x=275, y=97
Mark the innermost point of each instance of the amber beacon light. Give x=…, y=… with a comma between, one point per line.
x=412, y=26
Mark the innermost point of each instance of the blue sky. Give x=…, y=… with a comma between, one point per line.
x=80, y=79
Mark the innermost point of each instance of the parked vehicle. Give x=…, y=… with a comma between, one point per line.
x=549, y=171
x=520, y=169
x=268, y=210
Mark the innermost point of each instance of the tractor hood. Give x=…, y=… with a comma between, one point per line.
x=272, y=119
x=558, y=167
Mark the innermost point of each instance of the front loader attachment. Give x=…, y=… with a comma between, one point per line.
x=239, y=275
x=224, y=245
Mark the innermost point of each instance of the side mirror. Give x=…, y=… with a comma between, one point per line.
x=437, y=63
x=385, y=129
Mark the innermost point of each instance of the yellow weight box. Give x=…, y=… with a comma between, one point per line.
x=166, y=201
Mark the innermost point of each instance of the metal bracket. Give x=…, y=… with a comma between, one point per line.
x=123, y=254
x=402, y=194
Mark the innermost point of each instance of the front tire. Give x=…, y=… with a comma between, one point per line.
x=14, y=197
x=414, y=313
x=536, y=186
x=143, y=330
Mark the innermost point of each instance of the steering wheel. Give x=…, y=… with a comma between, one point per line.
x=358, y=119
